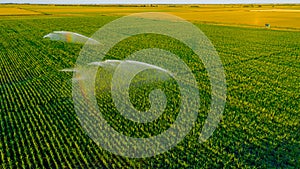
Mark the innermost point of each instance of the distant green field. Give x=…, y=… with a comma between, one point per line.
x=39, y=127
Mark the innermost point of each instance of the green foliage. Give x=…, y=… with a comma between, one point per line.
x=39, y=126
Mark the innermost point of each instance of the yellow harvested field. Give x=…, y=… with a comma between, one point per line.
x=278, y=16
x=275, y=10
x=16, y=11
x=245, y=17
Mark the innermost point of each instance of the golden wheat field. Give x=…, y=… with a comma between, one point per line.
x=16, y=11
x=278, y=16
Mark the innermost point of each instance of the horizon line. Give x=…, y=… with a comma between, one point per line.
x=278, y=3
